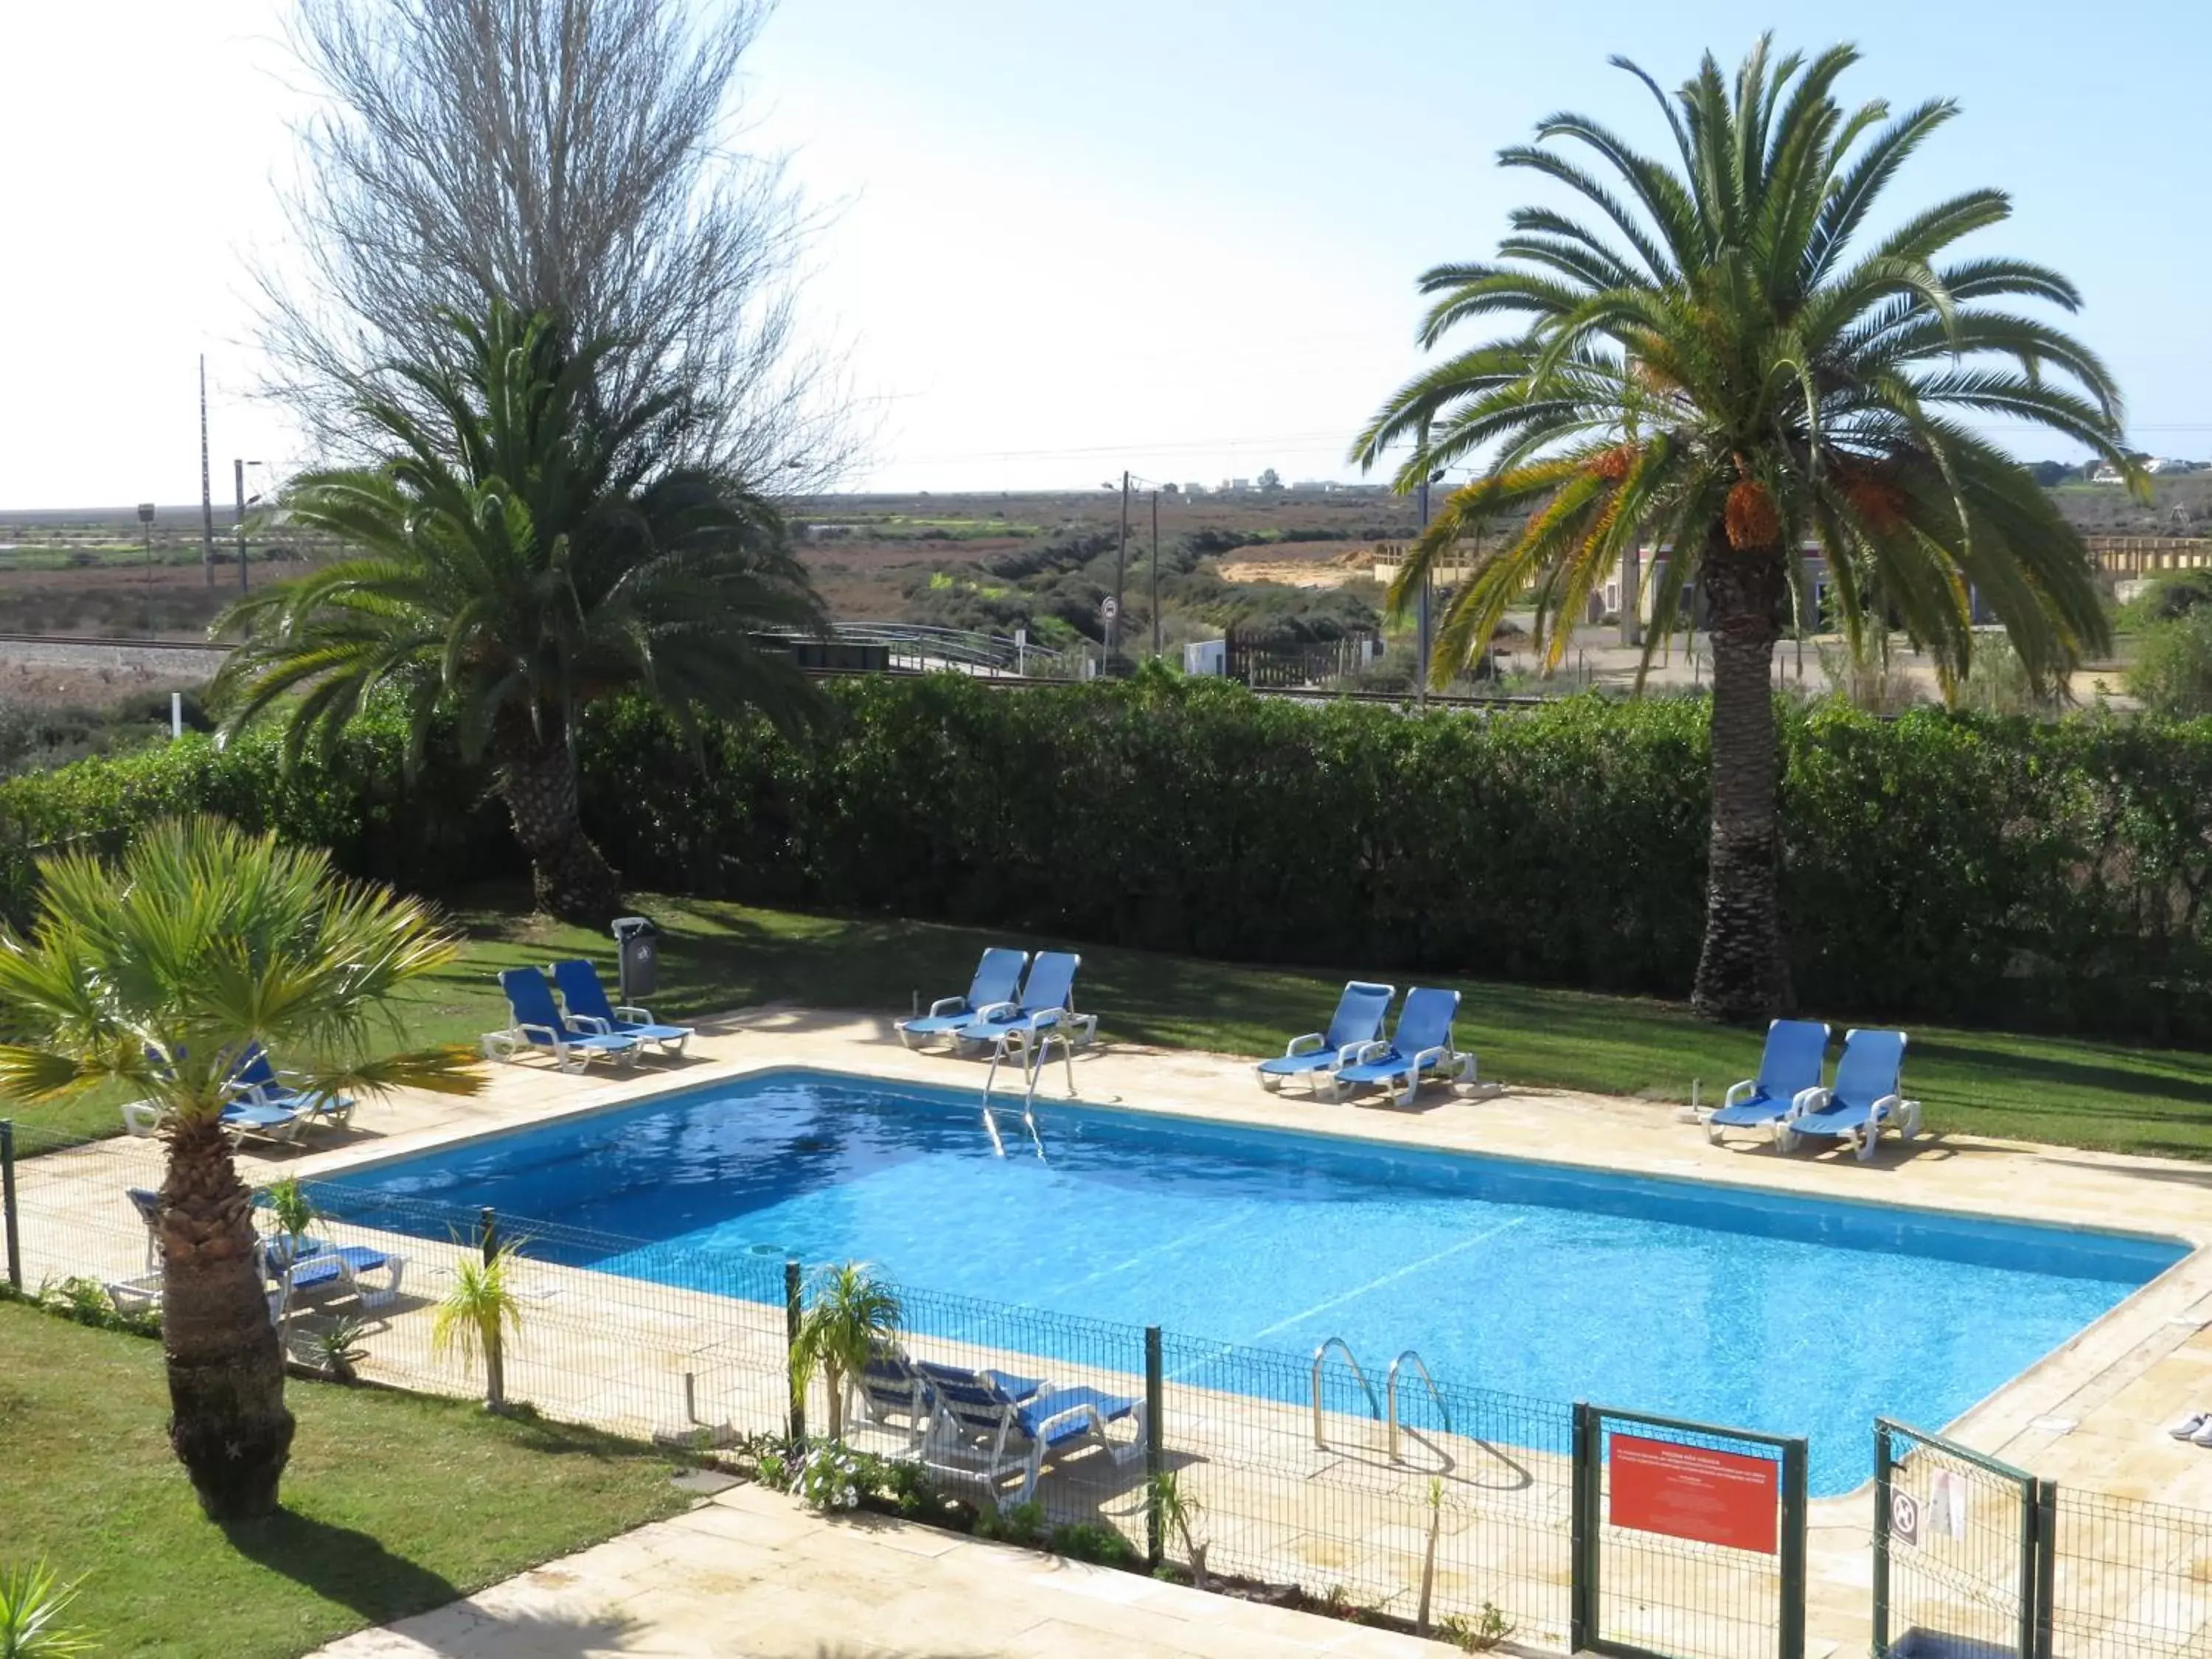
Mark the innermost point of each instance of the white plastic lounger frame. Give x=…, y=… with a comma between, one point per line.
x=1438, y=1065
x=949, y=1451
x=519, y=1040
x=1890, y=1111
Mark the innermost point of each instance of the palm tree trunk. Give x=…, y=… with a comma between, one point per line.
x=494, y=1369
x=228, y=1423
x=537, y=782
x=1743, y=972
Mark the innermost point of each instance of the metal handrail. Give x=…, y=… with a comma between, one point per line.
x=1373, y=1406
x=1390, y=1392
x=1036, y=1048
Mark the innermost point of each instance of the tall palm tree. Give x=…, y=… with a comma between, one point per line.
x=516, y=560
x=159, y=971
x=1703, y=363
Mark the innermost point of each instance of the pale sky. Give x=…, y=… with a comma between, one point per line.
x=1179, y=236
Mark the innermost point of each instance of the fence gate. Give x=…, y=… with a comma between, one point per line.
x=1689, y=1540
x=1960, y=1570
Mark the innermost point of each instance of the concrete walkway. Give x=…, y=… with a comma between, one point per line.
x=753, y=1573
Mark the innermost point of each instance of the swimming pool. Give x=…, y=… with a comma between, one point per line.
x=1762, y=1310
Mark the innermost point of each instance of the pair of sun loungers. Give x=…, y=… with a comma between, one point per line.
x=293, y=1272
x=583, y=1026
x=266, y=1104
x=1787, y=1099
x=991, y=1427
x=1353, y=1054
x=1013, y=1003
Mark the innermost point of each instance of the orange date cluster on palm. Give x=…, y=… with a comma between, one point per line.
x=1751, y=517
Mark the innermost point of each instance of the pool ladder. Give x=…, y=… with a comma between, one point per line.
x=1380, y=1411
x=1033, y=1060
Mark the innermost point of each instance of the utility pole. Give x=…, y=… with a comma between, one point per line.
x=207, y=501
x=1120, y=563
x=239, y=472
x=1155, y=570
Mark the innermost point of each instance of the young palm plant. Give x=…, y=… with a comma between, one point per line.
x=159, y=971
x=515, y=559
x=477, y=1317
x=32, y=1603
x=850, y=1311
x=1702, y=362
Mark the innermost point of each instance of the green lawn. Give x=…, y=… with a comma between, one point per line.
x=2075, y=1091
x=393, y=1504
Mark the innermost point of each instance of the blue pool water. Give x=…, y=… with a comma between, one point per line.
x=1759, y=1311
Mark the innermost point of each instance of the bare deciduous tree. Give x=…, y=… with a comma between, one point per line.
x=572, y=156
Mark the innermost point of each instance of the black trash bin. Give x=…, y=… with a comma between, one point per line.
x=637, y=956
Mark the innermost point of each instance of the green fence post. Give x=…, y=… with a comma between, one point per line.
x=2046, y=1566
x=8, y=1203
x=1883, y=1479
x=1582, y=1566
x=1155, y=1453
x=1792, y=1644
x=791, y=1317
x=487, y=1234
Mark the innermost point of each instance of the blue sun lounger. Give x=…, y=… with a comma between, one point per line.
x=1868, y=1093
x=539, y=1028
x=998, y=981
x=319, y=1267
x=893, y=1385
x=584, y=1000
x=980, y=1430
x=1420, y=1049
x=259, y=1083
x=1358, y=1021
x=1047, y=1003
x=1788, y=1069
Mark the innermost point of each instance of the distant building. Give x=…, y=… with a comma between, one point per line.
x=1193, y=489
x=1237, y=486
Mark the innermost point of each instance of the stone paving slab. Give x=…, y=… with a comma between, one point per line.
x=749, y=1573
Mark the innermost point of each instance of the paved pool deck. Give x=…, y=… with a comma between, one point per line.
x=2090, y=1415
x=752, y=1573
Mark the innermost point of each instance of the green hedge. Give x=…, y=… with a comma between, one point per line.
x=434, y=830
x=1936, y=866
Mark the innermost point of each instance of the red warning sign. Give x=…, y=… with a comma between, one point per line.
x=1693, y=1491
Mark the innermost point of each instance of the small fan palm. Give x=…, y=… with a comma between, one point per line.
x=515, y=562
x=848, y=1312
x=478, y=1314
x=1701, y=360
x=160, y=971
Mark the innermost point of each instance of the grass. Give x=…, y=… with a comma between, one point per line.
x=714, y=956
x=393, y=1504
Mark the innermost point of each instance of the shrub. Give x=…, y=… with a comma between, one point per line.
x=2172, y=669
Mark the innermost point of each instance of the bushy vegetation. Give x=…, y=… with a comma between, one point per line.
x=1938, y=866
x=2172, y=622
x=1055, y=590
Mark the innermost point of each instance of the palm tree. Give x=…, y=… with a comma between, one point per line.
x=850, y=1312
x=522, y=559
x=477, y=1315
x=159, y=971
x=1702, y=362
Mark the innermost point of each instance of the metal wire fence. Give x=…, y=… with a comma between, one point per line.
x=2128, y=1578
x=1954, y=1547
x=1690, y=1539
